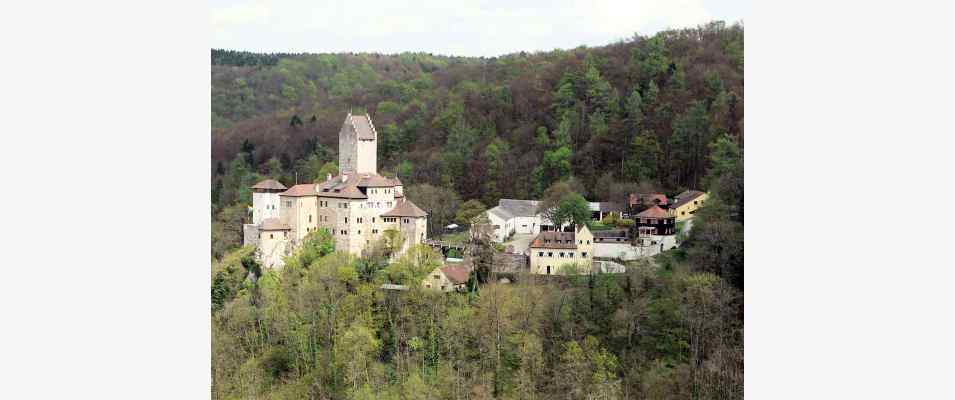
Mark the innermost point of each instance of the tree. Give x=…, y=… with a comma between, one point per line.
x=644, y=158
x=440, y=204
x=227, y=229
x=328, y=169
x=635, y=110
x=355, y=353
x=573, y=209
x=468, y=211
x=274, y=168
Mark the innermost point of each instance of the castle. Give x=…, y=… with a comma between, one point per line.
x=358, y=206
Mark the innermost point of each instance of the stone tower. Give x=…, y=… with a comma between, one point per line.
x=265, y=200
x=358, y=145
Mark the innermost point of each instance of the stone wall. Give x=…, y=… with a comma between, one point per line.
x=250, y=234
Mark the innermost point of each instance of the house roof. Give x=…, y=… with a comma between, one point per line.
x=405, y=208
x=374, y=180
x=501, y=213
x=647, y=198
x=686, y=197
x=554, y=240
x=273, y=224
x=363, y=126
x=302, y=189
x=519, y=208
x=269, y=184
x=654, y=212
x=343, y=186
x=456, y=274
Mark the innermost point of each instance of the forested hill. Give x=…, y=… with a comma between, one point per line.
x=643, y=110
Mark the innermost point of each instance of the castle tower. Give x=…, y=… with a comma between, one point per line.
x=265, y=200
x=358, y=145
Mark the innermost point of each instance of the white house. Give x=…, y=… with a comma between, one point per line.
x=511, y=217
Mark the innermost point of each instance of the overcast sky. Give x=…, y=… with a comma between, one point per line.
x=473, y=28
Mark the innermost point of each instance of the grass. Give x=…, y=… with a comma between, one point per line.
x=454, y=238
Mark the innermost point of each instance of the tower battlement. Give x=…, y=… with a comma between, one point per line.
x=358, y=145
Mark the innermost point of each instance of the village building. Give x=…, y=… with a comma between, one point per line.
x=357, y=207
x=655, y=227
x=612, y=236
x=687, y=203
x=512, y=217
x=553, y=252
x=600, y=210
x=638, y=202
x=447, y=278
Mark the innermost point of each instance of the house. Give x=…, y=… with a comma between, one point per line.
x=447, y=278
x=358, y=206
x=655, y=227
x=512, y=216
x=687, y=203
x=553, y=252
x=637, y=202
x=599, y=210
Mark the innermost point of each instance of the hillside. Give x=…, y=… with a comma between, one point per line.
x=663, y=113
x=642, y=110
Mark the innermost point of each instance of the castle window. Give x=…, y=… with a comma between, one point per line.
x=540, y=253
x=550, y=254
x=562, y=254
x=271, y=236
x=583, y=254
x=359, y=231
x=373, y=220
x=310, y=218
x=571, y=254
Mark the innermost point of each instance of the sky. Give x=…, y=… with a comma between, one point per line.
x=465, y=28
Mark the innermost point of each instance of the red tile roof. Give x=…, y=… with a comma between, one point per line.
x=456, y=274
x=405, y=208
x=273, y=224
x=302, y=189
x=654, y=212
x=554, y=240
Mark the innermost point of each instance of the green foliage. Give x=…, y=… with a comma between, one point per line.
x=468, y=211
x=641, y=164
x=532, y=125
x=572, y=208
x=316, y=244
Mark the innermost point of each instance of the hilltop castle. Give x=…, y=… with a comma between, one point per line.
x=358, y=206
